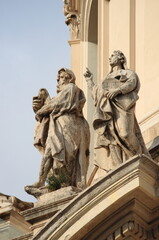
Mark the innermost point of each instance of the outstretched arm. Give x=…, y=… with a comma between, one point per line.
x=89, y=79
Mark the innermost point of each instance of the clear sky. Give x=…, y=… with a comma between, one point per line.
x=33, y=47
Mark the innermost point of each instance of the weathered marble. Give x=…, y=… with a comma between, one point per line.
x=61, y=134
x=47, y=206
x=118, y=136
x=72, y=19
x=124, y=203
x=12, y=224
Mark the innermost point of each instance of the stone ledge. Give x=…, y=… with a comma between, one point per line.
x=12, y=222
x=129, y=228
x=24, y=237
x=50, y=203
x=57, y=196
x=119, y=186
x=9, y=203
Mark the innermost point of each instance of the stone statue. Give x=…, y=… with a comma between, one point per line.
x=62, y=133
x=117, y=132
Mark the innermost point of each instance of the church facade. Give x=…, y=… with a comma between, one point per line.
x=97, y=28
x=123, y=205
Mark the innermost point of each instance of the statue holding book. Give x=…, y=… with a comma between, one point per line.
x=117, y=132
x=61, y=134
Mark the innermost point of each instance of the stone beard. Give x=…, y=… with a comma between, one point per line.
x=62, y=133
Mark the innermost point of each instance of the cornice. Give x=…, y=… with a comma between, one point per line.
x=138, y=174
x=32, y=214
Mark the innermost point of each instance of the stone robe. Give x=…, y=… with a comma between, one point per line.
x=117, y=133
x=64, y=134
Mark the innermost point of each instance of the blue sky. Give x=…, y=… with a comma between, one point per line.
x=33, y=46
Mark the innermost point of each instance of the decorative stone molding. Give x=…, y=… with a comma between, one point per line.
x=130, y=228
x=122, y=205
x=49, y=204
x=48, y=209
x=7, y=201
x=12, y=223
x=136, y=230
x=72, y=19
x=155, y=232
x=24, y=237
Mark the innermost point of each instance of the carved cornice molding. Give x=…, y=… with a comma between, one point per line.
x=134, y=229
x=51, y=208
x=108, y=198
x=72, y=19
x=24, y=237
x=130, y=228
x=11, y=202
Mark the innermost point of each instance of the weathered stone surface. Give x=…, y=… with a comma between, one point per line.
x=118, y=136
x=12, y=224
x=11, y=201
x=72, y=19
x=28, y=236
x=58, y=195
x=36, y=192
x=61, y=135
x=47, y=206
x=124, y=204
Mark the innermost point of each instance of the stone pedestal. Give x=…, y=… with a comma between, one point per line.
x=47, y=206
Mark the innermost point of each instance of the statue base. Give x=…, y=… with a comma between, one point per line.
x=36, y=192
x=47, y=205
x=39, y=192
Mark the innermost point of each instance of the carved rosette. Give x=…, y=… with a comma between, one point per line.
x=72, y=19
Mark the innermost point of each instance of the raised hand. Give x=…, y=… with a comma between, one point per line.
x=111, y=93
x=88, y=75
x=37, y=103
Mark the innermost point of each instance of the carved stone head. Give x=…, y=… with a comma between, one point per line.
x=64, y=77
x=117, y=58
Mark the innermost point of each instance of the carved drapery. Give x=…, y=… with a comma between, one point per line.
x=71, y=11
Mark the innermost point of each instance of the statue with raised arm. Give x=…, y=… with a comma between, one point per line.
x=117, y=132
x=62, y=133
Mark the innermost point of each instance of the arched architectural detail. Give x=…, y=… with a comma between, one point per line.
x=85, y=19
x=131, y=32
x=120, y=206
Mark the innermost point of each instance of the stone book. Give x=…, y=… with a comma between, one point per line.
x=124, y=101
